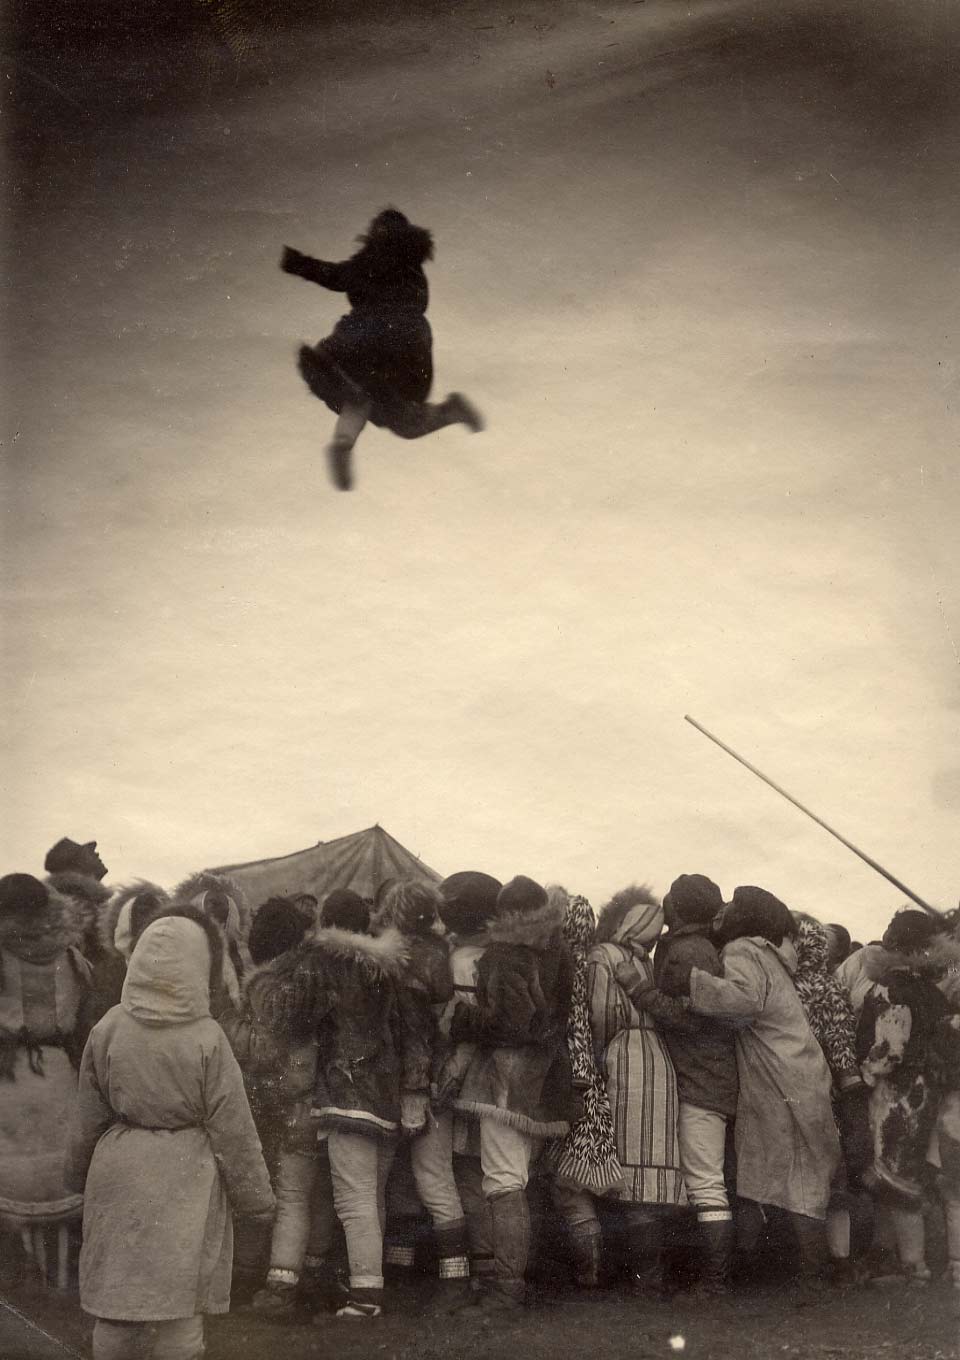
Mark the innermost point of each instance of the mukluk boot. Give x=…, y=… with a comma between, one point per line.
x=511, y=1248
x=586, y=1249
x=278, y=1297
x=453, y=1290
x=718, y=1239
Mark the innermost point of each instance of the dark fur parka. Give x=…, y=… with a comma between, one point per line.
x=382, y=350
x=520, y=1073
x=341, y=989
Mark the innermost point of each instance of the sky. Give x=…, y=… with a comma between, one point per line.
x=697, y=265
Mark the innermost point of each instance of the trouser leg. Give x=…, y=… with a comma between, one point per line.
x=296, y=1174
x=356, y=1163
x=178, y=1339
x=505, y=1157
x=120, y=1340
x=702, y=1137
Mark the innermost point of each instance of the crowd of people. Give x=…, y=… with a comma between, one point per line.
x=665, y=1086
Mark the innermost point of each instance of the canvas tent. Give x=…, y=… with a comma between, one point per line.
x=360, y=861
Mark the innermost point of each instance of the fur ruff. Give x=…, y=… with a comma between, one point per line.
x=404, y=243
x=64, y=919
x=557, y=1128
x=941, y=954
x=82, y=887
x=384, y=955
x=108, y=918
x=204, y=881
x=302, y=981
x=538, y=929
x=612, y=916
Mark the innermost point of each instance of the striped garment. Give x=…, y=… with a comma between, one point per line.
x=640, y=1080
x=586, y=1159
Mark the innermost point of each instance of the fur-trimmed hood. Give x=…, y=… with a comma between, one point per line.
x=537, y=929
x=194, y=888
x=399, y=242
x=384, y=955
x=61, y=925
x=938, y=957
x=623, y=922
x=113, y=923
x=84, y=888
x=89, y=896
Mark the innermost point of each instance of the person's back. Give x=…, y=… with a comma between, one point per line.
x=163, y=1137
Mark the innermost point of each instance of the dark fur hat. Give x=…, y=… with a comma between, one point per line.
x=754, y=911
x=693, y=900
x=520, y=896
x=345, y=910
x=469, y=901
x=22, y=895
x=911, y=930
x=278, y=925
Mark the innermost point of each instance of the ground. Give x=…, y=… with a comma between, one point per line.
x=765, y=1324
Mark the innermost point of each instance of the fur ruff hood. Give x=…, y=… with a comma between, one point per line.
x=63, y=927
x=86, y=889
x=384, y=955
x=89, y=895
x=194, y=886
x=941, y=955
x=403, y=244
x=537, y=929
x=613, y=915
x=109, y=922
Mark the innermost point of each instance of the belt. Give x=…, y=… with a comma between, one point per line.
x=129, y=1123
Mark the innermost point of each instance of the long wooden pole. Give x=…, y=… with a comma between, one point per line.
x=813, y=817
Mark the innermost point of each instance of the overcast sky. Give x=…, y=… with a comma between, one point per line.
x=698, y=266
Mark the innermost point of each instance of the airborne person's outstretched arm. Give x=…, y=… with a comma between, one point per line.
x=324, y=272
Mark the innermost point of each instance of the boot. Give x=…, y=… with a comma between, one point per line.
x=718, y=1236
x=278, y=1297
x=463, y=412
x=320, y=1290
x=453, y=1289
x=511, y=1246
x=910, y=1233
x=586, y=1248
x=360, y=1304
x=811, y=1285
x=339, y=457
x=645, y=1242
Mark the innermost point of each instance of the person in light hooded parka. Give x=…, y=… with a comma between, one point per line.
x=787, y=1144
x=163, y=1146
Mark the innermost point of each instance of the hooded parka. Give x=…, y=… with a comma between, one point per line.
x=163, y=1143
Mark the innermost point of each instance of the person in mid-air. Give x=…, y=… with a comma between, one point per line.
x=377, y=364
